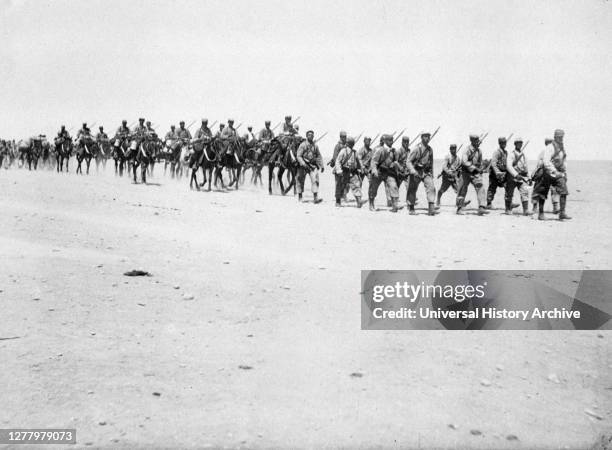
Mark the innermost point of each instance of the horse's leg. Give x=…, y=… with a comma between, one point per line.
x=145, y=166
x=134, y=168
x=270, y=177
x=281, y=171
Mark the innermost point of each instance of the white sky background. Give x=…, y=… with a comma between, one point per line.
x=471, y=66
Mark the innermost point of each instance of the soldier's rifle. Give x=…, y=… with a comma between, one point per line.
x=398, y=136
x=375, y=137
x=358, y=137
x=277, y=125
x=297, y=118
x=322, y=136
x=191, y=124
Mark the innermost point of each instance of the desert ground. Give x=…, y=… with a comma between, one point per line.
x=247, y=333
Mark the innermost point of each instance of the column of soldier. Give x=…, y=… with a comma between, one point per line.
x=382, y=163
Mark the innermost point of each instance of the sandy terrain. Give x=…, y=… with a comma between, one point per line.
x=249, y=327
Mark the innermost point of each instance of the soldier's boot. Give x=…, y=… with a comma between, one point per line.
x=372, y=207
x=562, y=215
x=411, y=210
x=526, y=208
x=317, y=199
x=432, y=209
x=394, y=207
x=359, y=202
x=541, y=210
x=482, y=210
x=460, y=208
x=509, y=207
x=556, y=209
x=299, y=197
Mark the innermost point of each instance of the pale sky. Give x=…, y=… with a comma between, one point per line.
x=526, y=67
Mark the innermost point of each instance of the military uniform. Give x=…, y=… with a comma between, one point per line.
x=348, y=169
x=420, y=167
x=450, y=169
x=515, y=174
x=497, y=174
x=470, y=173
x=382, y=170
x=365, y=156
x=552, y=172
x=203, y=132
x=266, y=134
x=183, y=134
x=310, y=162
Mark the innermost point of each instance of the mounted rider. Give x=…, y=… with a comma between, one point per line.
x=183, y=133
x=203, y=132
x=102, y=140
x=122, y=135
x=84, y=137
x=229, y=136
x=62, y=137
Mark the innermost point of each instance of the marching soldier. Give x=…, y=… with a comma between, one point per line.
x=382, y=166
x=552, y=172
x=339, y=146
x=517, y=177
x=420, y=167
x=553, y=191
x=310, y=162
x=203, y=131
x=471, y=173
x=450, y=169
x=402, y=170
x=497, y=171
x=365, y=156
x=348, y=170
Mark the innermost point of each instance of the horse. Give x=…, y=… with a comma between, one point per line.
x=85, y=151
x=102, y=154
x=120, y=148
x=282, y=154
x=46, y=153
x=63, y=150
x=141, y=154
x=231, y=159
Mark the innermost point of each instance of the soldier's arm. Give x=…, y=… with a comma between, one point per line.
x=465, y=162
x=300, y=155
x=410, y=162
x=547, y=160
x=494, y=161
x=338, y=163
x=510, y=167
x=319, y=158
